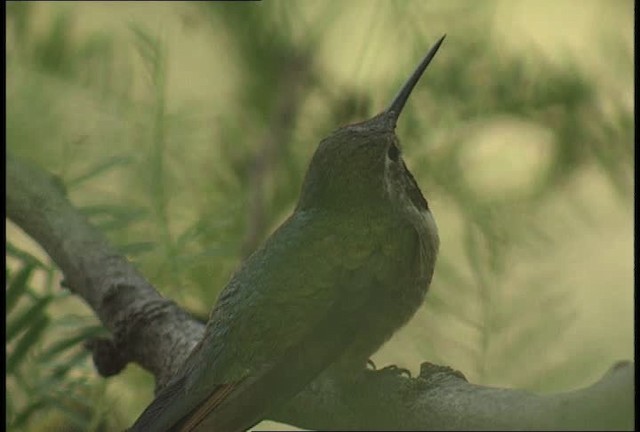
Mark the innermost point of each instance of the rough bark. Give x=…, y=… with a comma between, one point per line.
x=156, y=333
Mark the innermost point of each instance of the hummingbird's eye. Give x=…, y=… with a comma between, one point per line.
x=393, y=153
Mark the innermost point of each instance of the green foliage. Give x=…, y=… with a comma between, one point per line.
x=187, y=189
x=44, y=355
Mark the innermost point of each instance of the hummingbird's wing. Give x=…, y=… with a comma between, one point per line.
x=239, y=406
x=288, y=313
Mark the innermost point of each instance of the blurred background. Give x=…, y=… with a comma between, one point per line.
x=183, y=131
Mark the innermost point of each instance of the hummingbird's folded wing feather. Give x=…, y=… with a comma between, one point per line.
x=170, y=406
x=154, y=413
x=272, y=332
x=247, y=402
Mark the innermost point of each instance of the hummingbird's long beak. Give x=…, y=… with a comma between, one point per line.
x=401, y=98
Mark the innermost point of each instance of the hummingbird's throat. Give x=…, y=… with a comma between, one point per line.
x=403, y=191
x=400, y=184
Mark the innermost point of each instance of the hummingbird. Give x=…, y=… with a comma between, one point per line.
x=348, y=268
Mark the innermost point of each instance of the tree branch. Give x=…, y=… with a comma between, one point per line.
x=157, y=334
x=146, y=327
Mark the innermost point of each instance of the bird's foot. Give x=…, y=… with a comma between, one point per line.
x=430, y=371
x=394, y=370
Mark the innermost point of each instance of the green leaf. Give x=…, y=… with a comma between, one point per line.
x=59, y=372
x=18, y=286
x=136, y=248
x=148, y=46
x=24, y=256
x=110, y=217
x=98, y=169
x=26, y=318
x=30, y=338
x=190, y=233
x=70, y=342
x=23, y=416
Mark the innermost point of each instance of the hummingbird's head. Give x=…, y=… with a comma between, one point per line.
x=361, y=164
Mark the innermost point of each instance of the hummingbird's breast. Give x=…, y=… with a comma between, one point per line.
x=409, y=203
x=410, y=244
x=413, y=246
